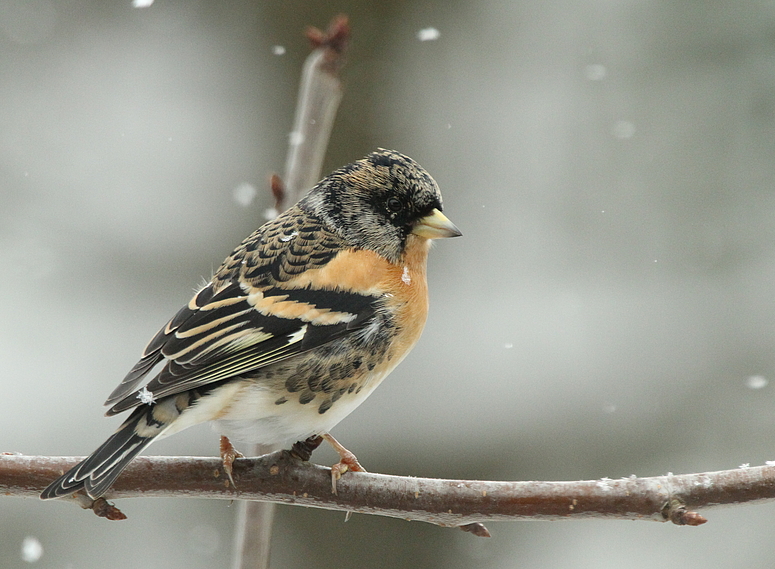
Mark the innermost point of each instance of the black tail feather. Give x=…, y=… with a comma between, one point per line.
x=98, y=471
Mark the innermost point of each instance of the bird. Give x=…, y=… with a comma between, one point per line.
x=298, y=326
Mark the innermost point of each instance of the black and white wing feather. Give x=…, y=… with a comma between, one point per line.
x=248, y=317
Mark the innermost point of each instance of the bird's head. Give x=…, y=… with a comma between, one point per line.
x=377, y=202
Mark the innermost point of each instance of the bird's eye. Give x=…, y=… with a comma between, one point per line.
x=394, y=205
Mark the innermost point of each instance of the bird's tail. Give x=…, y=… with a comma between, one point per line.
x=98, y=471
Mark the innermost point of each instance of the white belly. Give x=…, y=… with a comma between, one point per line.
x=255, y=418
x=246, y=411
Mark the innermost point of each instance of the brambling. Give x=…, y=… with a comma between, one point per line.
x=296, y=328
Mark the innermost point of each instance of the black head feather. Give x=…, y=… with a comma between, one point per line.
x=375, y=202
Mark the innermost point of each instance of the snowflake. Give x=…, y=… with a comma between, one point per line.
x=406, y=277
x=146, y=397
x=32, y=549
x=428, y=34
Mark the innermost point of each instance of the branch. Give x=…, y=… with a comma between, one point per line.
x=281, y=478
x=253, y=528
x=320, y=93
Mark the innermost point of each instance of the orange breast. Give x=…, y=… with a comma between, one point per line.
x=366, y=272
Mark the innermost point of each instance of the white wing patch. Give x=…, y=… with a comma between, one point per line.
x=298, y=335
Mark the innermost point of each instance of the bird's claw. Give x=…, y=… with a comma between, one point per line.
x=228, y=455
x=347, y=461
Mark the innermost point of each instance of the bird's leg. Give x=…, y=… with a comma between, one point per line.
x=303, y=449
x=347, y=461
x=228, y=455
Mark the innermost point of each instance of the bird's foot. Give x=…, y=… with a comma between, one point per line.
x=347, y=461
x=303, y=449
x=228, y=455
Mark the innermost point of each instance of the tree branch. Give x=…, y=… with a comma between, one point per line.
x=281, y=478
x=320, y=93
x=253, y=528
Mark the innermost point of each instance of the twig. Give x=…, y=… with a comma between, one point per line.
x=281, y=478
x=320, y=92
x=253, y=529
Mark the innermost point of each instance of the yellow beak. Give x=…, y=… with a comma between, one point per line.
x=436, y=226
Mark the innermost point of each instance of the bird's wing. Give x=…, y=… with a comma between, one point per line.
x=247, y=318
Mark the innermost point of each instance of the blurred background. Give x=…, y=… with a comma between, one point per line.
x=609, y=310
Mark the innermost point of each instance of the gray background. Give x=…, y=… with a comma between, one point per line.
x=611, y=167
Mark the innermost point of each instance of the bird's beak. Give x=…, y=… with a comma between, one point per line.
x=436, y=226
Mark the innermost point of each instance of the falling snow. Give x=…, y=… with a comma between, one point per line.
x=32, y=549
x=146, y=397
x=428, y=34
x=278, y=50
x=595, y=72
x=623, y=129
x=406, y=277
x=756, y=382
x=142, y=3
x=244, y=194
